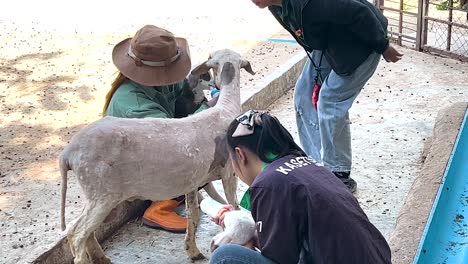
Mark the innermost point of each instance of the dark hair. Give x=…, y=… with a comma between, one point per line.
x=268, y=138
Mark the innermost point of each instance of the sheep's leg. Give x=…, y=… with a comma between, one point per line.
x=70, y=237
x=95, y=251
x=230, y=187
x=211, y=191
x=93, y=215
x=200, y=197
x=75, y=238
x=193, y=216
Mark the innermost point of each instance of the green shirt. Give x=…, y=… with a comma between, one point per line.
x=132, y=100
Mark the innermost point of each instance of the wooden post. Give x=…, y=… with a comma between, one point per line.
x=449, y=30
x=424, y=23
x=419, y=25
x=400, y=24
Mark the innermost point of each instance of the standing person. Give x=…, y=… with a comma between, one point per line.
x=344, y=40
x=152, y=67
x=303, y=213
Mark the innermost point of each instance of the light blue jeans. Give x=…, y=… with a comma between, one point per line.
x=235, y=254
x=324, y=133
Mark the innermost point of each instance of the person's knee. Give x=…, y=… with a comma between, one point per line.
x=331, y=110
x=224, y=252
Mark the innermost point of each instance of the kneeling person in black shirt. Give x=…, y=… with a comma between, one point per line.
x=304, y=214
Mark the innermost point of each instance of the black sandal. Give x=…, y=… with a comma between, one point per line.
x=348, y=181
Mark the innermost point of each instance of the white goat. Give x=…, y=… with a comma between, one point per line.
x=118, y=159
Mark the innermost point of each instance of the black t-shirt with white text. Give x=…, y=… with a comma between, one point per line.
x=305, y=214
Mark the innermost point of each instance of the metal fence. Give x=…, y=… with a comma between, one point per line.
x=434, y=26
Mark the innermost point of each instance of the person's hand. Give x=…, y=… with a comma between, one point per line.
x=212, y=102
x=391, y=54
x=220, y=220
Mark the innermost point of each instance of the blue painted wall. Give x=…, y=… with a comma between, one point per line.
x=445, y=239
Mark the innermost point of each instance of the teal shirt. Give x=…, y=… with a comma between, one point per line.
x=132, y=100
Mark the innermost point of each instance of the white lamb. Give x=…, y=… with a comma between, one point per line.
x=239, y=228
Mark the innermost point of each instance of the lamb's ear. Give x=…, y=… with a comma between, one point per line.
x=213, y=246
x=206, y=76
x=192, y=81
x=245, y=64
x=202, y=68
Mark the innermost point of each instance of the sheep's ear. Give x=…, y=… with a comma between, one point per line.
x=202, y=69
x=245, y=64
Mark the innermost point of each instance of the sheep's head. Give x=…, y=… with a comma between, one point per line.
x=217, y=60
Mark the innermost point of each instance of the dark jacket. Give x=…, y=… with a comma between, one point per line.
x=347, y=30
x=305, y=214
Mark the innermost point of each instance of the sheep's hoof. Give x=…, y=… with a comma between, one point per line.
x=102, y=261
x=197, y=257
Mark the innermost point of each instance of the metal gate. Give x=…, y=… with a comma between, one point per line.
x=439, y=27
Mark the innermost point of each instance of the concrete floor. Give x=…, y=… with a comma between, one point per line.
x=391, y=120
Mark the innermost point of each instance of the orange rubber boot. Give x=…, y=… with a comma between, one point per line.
x=160, y=214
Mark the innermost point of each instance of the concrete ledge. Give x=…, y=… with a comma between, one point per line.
x=59, y=252
x=261, y=96
x=275, y=85
x=411, y=222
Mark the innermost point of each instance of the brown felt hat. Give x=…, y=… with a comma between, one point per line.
x=153, y=57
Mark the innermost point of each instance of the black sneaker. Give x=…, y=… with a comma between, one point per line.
x=348, y=181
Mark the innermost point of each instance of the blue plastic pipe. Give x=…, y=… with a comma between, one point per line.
x=277, y=40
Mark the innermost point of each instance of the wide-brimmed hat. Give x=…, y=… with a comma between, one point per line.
x=153, y=57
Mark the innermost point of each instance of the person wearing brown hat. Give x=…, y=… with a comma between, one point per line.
x=152, y=67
